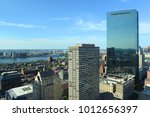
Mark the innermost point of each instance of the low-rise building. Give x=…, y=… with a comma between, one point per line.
x=29, y=72
x=121, y=88
x=107, y=87
x=50, y=59
x=46, y=86
x=20, y=93
x=9, y=80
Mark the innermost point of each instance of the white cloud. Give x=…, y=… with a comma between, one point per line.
x=20, y=25
x=49, y=43
x=88, y=25
x=61, y=18
x=144, y=27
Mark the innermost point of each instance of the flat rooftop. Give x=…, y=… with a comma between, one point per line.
x=82, y=45
x=115, y=80
x=19, y=91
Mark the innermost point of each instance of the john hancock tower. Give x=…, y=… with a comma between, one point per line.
x=122, y=43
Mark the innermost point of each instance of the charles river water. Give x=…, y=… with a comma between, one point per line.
x=29, y=59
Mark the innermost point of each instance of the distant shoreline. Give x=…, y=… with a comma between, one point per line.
x=25, y=60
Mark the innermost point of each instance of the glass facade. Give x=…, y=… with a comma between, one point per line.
x=122, y=42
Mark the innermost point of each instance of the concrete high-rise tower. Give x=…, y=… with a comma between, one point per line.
x=83, y=72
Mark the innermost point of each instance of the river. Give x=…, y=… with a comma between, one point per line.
x=29, y=59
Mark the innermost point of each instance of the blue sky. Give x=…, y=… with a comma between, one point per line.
x=57, y=24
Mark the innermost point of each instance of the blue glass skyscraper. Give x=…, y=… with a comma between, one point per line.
x=122, y=43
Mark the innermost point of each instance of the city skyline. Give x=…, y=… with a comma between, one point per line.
x=59, y=24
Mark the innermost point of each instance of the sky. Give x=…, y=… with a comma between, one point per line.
x=57, y=24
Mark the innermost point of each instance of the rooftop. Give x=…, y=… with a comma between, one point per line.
x=122, y=12
x=10, y=72
x=19, y=91
x=82, y=45
x=45, y=74
x=116, y=80
x=9, y=75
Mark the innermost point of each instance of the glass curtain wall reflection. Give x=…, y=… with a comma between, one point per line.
x=122, y=43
